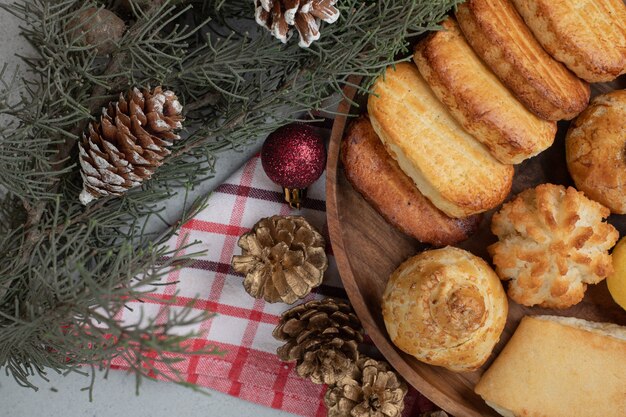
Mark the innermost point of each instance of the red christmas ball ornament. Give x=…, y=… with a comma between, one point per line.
x=294, y=157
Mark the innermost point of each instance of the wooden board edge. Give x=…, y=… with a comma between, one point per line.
x=348, y=279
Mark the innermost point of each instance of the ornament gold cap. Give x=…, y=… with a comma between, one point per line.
x=294, y=196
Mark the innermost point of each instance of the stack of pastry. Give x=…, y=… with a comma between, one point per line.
x=445, y=131
x=500, y=37
x=377, y=176
x=482, y=95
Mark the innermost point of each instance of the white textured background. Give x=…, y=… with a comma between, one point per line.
x=115, y=396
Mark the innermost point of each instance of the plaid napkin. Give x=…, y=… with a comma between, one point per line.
x=243, y=325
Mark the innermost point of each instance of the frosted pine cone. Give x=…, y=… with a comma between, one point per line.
x=552, y=243
x=279, y=16
x=128, y=143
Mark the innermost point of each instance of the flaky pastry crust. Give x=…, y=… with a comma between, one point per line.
x=588, y=36
x=448, y=165
x=552, y=243
x=500, y=37
x=595, y=150
x=378, y=178
x=446, y=307
x=477, y=99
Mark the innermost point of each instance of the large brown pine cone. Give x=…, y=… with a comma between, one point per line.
x=129, y=142
x=371, y=389
x=322, y=336
x=279, y=16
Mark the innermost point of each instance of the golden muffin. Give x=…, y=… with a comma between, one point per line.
x=595, y=149
x=451, y=168
x=446, y=307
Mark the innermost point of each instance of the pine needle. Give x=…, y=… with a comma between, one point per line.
x=66, y=269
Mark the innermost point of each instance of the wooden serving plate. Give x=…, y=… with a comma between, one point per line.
x=368, y=249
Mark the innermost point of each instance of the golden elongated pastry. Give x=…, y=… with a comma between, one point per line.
x=559, y=367
x=588, y=36
x=497, y=33
x=377, y=176
x=451, y=168
x=478, y=100
x=446, y=307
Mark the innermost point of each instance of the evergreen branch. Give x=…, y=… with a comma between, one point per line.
x=68, y=269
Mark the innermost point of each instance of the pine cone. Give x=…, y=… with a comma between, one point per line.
x=279, y=16
x=128, y=143
x=283, y=259
x=98, y=27
x=371, y=389
x=322, y=336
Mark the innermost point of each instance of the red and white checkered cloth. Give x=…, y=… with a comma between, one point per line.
x=243, y=325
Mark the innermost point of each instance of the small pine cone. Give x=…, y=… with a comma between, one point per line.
x=283, y=259
x=128, y=143
x=97, y=27
x=279, y=16
x=322, y=336
x=371, y=389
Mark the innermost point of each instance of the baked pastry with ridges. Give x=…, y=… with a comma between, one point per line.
x=477, y=98
x=588, y=36
x=552, y=243
x=377, y=176
x=559, y=367
x=502, y=40
x=595, y=148
x=446, y=307
x=453, y=170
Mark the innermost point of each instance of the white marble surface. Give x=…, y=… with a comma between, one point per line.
x=115, y=396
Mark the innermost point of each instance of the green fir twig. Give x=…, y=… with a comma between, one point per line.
x=67, y=269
